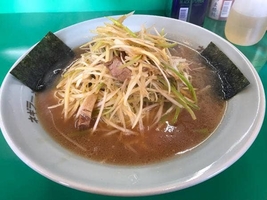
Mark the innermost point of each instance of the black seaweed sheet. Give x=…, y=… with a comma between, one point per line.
x=41, y=65
x=232, y=79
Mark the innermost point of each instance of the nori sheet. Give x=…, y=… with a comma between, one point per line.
x=43, y=63
x=232, y=79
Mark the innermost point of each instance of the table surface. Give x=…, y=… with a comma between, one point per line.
x=245, y=179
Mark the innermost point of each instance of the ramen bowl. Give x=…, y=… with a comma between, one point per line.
x=235, y=134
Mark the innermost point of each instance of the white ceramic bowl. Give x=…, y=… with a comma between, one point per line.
x=239, y=128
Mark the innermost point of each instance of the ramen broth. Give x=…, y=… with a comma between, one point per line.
x=155, y=143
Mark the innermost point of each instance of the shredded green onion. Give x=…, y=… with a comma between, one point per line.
x=155, y=83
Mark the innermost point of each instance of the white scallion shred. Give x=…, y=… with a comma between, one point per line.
x=156, y=78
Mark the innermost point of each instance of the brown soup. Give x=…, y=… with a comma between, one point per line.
x=155, y=144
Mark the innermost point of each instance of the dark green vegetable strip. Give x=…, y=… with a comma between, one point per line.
x=185, y=81
x=41, y=65
x=231, y=78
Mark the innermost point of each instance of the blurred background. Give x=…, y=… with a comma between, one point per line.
x=22, y=6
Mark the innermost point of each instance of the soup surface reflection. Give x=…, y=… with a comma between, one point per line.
x=155, y=144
